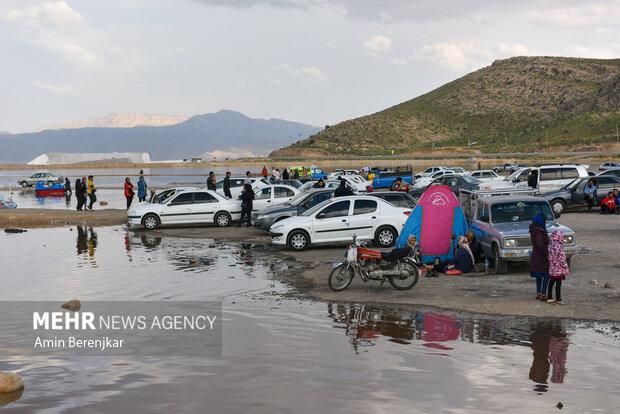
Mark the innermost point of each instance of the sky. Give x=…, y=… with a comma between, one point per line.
x=313, y=61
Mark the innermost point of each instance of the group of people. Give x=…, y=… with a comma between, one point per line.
x=85, y=191
x=130, y=193
x=610, y=204
x=294, y=174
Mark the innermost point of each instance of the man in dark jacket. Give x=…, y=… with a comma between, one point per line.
x=247, y=199
x=80, y=194
x=211, y=185
x=343, y=190
x=227, y=185
x=539, y=260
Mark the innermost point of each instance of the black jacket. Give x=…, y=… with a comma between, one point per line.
x=462, y=260
x=342, y=191
x=247, y=197
x=211, y=184
x=227, y=186
x=476, y=249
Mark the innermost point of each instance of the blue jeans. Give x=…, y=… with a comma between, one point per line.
x=542, y=280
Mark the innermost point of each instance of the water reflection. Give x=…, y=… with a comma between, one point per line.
x=86, y=244
x=549, y=344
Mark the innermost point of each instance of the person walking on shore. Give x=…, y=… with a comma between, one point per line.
x=67, y=187
x=91, y=190
x=142, y=192
x=558, y=267
x=80, y=193
x=264, y=172
x=128, y=192
x=247, y=201
x=211, y=183
x=539, y=260
x=227, y=193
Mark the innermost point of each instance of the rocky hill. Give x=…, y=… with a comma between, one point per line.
x=517, y=104
x=226, y=131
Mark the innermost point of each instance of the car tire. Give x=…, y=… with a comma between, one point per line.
x=386, y=236
x=499, y=265
x=151, y=221
x=222, y=219
x=298, y=240
x=25, y=184
x=558, y=205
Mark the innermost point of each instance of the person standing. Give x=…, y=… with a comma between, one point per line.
x=128, y=192
x=589, y=193
x=247, y=179
x=211, y=184
x=276, y=174
x=539, y=260
x=80, y=194
x=264, y=172
x=91, y=190
x=67, y=187
x=296, y=174
x=227, y=193
x=285, y=174
x=247, y=200
x=558, y=267
x=141, y=189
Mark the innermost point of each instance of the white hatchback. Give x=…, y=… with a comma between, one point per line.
x=486, y=176
x=187, y=207
x=339, y=219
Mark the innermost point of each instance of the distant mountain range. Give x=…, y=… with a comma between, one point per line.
x=224, y=132
x=516, y=104
x=127, y=120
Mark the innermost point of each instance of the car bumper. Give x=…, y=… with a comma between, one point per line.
x=523, y=254
x=134, y=220
x=264, y=223
x=277, y=238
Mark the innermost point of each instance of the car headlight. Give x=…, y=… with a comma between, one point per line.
x=510, y=243
x=132, y=213
x=261, y=217
x=570, y=239
x=276, y=227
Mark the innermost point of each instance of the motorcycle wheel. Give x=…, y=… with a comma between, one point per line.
x=410, y=281
x=340, y=277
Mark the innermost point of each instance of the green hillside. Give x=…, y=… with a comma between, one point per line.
x=516, y=104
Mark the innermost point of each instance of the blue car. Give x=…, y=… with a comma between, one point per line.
x=384, y=178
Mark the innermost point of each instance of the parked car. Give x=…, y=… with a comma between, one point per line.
x=271, y=195
x=385, y=177
x=509, y=166
x=358, y=183
x=264, y=219
x=47, y=177
x=486, y=175
x=338, y=220
x=501, y=224
x=309, y=185
x=186, y=207
x=398, y=198
x=337, y=173
x=608, y=165
x=454, y=181
x=292, y=183
x=613, y=172
x=430, y=171
x=571, y=195
x=458, y=170
x=420, y=184
x=549, y=175
x=169, y=192
x=236, y=185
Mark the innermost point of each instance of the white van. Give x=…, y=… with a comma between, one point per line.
x=549, y=175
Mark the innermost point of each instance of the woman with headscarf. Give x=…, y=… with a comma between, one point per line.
x=128, y=187
x=539, y=260
x=462, y=261
x=558, y=267
x=247, y=201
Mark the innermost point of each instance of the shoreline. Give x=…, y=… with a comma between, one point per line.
x=491, y=295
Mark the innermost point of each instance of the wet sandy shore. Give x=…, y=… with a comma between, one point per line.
x=584, y=292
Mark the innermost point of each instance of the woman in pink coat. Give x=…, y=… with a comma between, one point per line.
x=558, y=266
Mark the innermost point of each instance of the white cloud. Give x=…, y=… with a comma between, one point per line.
x=63, y=90
x=67, y=48
x=378, y=44
x=310, y=73
x=587, y=14
x=47, y=14
x=611, y=51
x=455, y=56
x=514, y=49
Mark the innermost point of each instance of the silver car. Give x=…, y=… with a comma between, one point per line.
x=45, y=176
x=501, y=225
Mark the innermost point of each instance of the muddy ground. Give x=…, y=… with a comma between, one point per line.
x=584, y=292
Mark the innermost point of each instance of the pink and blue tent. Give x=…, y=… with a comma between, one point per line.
x=437, y=217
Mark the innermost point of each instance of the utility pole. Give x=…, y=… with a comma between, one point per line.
x=617, y=138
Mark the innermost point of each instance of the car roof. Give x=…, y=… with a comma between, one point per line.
x=509, y=198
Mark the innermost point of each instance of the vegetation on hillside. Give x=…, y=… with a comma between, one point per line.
x=516, y=104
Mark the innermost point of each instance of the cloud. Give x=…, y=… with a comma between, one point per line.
x=611, y=51
x=581, y=15
x=455, y=56
x=57, y=14
x=67, y=49
x=514, y=49
x=56, y=89
x=309, y=73
x=378, y=44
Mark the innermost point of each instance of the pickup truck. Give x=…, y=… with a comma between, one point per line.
x=501, y=225
x=384, y=177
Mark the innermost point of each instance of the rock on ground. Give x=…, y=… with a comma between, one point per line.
x=10, y=382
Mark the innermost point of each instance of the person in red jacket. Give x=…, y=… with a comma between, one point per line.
x=128, y=192
x=608, y=204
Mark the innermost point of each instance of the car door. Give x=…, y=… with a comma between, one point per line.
x=204, y=208
x=281, y=195
x=262, y=198
x=179, y=209
x=481, y=226
x=363, y=221
x=331, y=223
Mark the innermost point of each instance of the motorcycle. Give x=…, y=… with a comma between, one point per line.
x=402, y=273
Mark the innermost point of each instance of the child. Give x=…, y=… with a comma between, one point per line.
x=558, y=267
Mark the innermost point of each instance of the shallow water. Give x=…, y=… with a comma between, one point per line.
x=287, y=355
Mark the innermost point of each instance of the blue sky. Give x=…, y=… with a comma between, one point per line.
x=314, y=61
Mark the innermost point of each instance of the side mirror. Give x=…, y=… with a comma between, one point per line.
x=484, y=219
x=320, y=216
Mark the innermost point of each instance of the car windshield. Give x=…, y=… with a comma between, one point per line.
x=314, y=209
x=470, y=179
x=572, y=184
x=519, y=211
x=298, y=198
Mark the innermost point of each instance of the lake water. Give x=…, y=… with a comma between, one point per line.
x=282, y=354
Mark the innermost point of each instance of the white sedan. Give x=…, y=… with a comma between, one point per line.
x=187, y=207
x=236, y=185
x=271, y=195
x=423, y=182
x=358, y=183
x=309, y=185
x=339, y=219
x=486, y=176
